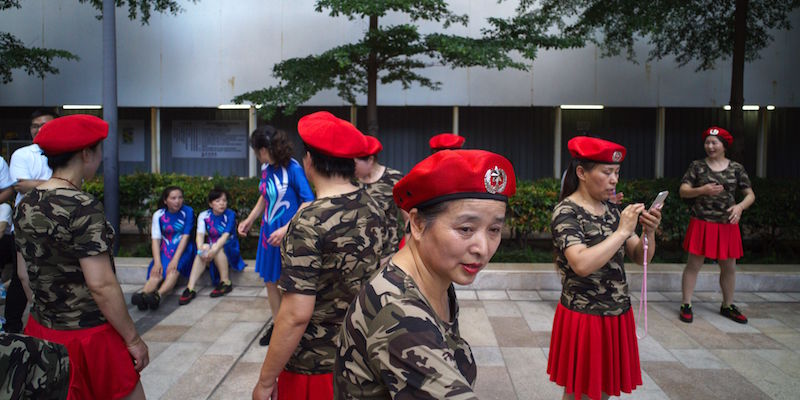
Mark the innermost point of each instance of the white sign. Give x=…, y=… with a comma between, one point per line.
x=131, y=140
x=209, y=139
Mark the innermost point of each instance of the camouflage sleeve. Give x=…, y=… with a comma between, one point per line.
x=565, y=228
x=743, y=180
x=90, y=231
x=690, y=176
x=32, y=368
x=300, y=258
x=412, y=357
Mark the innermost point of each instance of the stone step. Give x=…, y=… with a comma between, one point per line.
x=543, y=276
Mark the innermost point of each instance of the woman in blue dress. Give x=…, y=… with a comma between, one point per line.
x=173, y=250
x=284, y=190
x=217, y=247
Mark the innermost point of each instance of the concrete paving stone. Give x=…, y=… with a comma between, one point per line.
x=254, y=315
x=201, y=379
x=245, y=291
x=210, y=327
x=698, y=359
x=235, y=339
x=168, y=367
x=677, y=297
x=757, y=341
x=492, y=295
x=477, y=330
x=523, y=295
x=233, y=304
x=239, y=383
x=648, y=391
x=154, y=349
x=770, y=325
x=677, y=381
x=464, y=294
x=493, y=383
x=262, y=293
x=710, y=312
x=790, y=319
x=666, y=332
x=550, y=295
x=165, y=333
x=651, y=350
x=709, y=297
x=794, y=295
x=538, y=315
x=761, y=373
x=488, y=356
x=728, y=384
x=469, y=304
x=501, y=308
x=776, y=297
x=790, y=340
x=786, y=361
x=746, y=297
x=656, y=296
x=129, y=289
x=514, y=332
x=191, y=313
x=255, y=353
x=527, y=367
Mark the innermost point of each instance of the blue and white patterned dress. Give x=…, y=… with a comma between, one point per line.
x=213, y=227
x=170, y=228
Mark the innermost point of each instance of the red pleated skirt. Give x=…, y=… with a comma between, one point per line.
x=592, y=354
x=100, y=366
x=293, y=386
x=713, y=240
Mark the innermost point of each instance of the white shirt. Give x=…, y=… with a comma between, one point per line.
x=29, y=163
x=5, y=216
x=5, y=176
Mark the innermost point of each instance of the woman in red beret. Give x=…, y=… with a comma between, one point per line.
x=714, y=225
x=400, y=337
x=63, y=234
x=593, y=349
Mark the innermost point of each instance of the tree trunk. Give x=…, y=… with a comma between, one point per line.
x=372, y=81
x=737, y=78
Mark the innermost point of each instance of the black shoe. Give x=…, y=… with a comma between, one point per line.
x=187, y=296
x=153, y=300
x=138, y=300
x=264, y=341
x=222, y=289
x=732, y=312
x=686, y=314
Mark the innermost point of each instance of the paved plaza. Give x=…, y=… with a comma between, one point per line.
x=209, y=348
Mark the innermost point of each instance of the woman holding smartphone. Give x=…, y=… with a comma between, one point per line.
x=593, y=348
x=713, y=230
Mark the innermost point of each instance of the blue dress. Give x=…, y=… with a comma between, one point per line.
x=284, y=189
x=171, y=228
x=214, y=226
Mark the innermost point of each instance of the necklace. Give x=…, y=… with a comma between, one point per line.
x=66, y=180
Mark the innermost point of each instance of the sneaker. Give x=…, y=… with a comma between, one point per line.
x=264, y=341
x=138, y=300
x=153, y=300
x=187, y=296
x=686, y=313
x=222, y=289
x=732, y=312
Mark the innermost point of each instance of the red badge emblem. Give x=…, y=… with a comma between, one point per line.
x=495, y=180
x=617, y=156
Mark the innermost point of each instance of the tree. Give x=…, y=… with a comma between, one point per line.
x=706, y=31
x=387, y=54
x=38, y=61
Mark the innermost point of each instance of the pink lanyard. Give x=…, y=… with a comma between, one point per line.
x=643, y=295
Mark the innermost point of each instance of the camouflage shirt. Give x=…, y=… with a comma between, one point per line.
x=381, y=191
x=54, y=229
x=331, y=248
x=394, y=345
x=715, y=208
x=605, y=291
x=32, y=368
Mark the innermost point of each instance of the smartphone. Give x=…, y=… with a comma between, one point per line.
x=659, y=201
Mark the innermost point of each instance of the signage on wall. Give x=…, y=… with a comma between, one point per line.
x=131, y=140
x=209, y=139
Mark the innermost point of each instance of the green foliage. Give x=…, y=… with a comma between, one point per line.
x=141, y=7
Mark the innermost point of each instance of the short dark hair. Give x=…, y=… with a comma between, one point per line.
x=216, y=193
x=58, y=161
x=162, y=202
x=44, y=111
x=275, y=141
x=329, y=166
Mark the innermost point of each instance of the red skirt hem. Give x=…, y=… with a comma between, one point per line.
x=713, y=240
x=593, y=354
x=294, y=386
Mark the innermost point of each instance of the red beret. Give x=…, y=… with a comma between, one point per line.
x=374, y=145
x=444, y=141
x=71, y=133
x=597, y=150
x=332, y=136
x=456, y=174
x=720, y=133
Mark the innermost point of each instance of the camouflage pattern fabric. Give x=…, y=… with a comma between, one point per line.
x=53, y=230
x=394, y=345
x=331, y=249
x=381, y=191
x=605, y=291
x=32, y=368
x=715, y=208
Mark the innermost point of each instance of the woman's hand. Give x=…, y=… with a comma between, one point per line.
x=156, y=270
x=244, y=227
x=275, y=238
x=712, y=189
x=735, y=213
x=629, y=217
x=139, y=352
x=650, y=219
x=264, y=392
